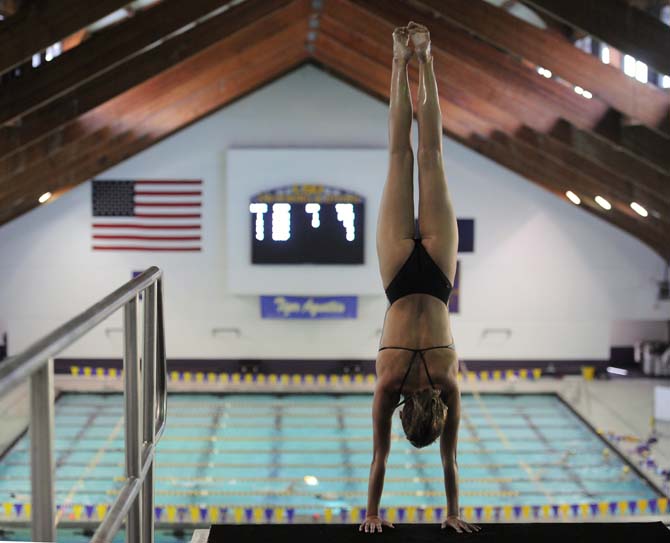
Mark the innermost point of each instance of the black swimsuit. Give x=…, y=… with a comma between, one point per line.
x=419, y=274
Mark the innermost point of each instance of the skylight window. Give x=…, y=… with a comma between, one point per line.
x=665, y=15
x=635, y=68
x=605, y=54
x=629, y=66
x=585, y=44
x=641, y=71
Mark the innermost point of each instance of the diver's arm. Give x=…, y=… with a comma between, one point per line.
x=382, y=412
x=448, y=443
x=448, y=446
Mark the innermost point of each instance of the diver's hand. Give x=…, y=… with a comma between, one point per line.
x=459, y=525
x=373, y=522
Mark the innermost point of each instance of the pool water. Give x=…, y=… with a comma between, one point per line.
x=311, y=452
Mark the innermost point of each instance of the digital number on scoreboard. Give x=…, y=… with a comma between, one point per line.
x=307, y=224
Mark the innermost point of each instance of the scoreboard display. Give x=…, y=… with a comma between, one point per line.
x=307, y=224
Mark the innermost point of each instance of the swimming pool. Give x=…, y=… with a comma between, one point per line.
x=231, y=454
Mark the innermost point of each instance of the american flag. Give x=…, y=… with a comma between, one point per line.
x=162, y=215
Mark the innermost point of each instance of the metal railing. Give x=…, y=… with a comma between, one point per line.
x=145, y=408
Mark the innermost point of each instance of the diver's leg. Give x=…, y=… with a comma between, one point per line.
x=437, y=220
x=395, y=224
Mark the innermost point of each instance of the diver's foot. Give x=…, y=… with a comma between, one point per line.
x=401, y=49
x=421, y=41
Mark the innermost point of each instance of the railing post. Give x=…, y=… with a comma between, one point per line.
x=41, y=453
x=149, y=377
x=133, y=420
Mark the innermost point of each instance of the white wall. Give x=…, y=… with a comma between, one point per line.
x=554, y=275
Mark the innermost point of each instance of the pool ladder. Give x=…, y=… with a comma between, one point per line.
x=145, y=397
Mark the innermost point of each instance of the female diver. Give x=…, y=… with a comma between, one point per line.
x=417, y=359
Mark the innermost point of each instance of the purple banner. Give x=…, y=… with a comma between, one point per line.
x=309, y=307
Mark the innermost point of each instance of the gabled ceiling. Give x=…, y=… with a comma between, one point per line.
x=159, y=66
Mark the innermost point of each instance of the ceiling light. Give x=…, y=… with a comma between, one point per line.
x=603, y=203
x=639, y=209
x=573, y=197
x=44, y=197
x=617, y=371
x=579, y=90
x=587, y=94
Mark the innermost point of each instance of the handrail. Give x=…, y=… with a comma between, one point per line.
x=142, y=432
x=16, y=369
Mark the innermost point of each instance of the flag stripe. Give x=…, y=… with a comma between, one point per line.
x=150, y=238
x=168, y=193
x=142, y=248
x=167, y=215
x=150, y=226
x=147, y=215
x=167, y=182
x=167, y=204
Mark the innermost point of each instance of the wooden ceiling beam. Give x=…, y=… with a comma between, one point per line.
x=499, y=78
x=132, y=141
x=615, y=22
x=647, y=104
x=638, y=138
x=9, y=7
x=228, y=27
x=37, y=25
x=475, y=87
x=349, y=63
x=600, y=150
x=103, y=51
x=122, y=142
x=606, y=180
x=505, y=151
x=555, y=163
x=74, y=40
x=536, y=100
x=373, y=76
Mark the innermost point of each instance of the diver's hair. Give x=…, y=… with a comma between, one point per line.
x=423, y=416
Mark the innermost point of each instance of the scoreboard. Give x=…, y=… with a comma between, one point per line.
x=307, y=224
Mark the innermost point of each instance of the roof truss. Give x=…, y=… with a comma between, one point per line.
x=120, y=91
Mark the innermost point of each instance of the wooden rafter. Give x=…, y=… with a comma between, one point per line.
x=374, y=79
x=148, y=118
x=482, y=82
x=505, y=151
x=536, y=101
x=40, y=24
x=107, y=49
x=615, y=22
x=337, y=49
x=9, y=7
x=491, y=102
x=19, y=144
x=600, y=150
x=647, y=104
